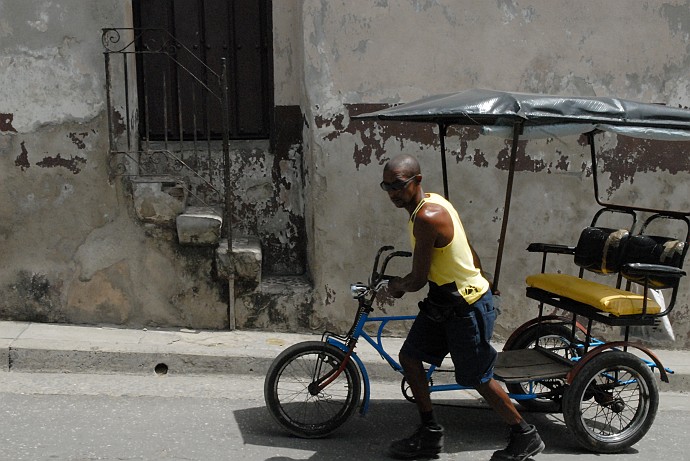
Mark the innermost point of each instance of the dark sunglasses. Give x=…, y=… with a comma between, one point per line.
x=397, y=185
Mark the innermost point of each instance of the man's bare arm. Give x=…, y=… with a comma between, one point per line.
x=425, y=232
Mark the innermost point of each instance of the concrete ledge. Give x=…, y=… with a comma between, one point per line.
x=284, y=302
x=247, y=257
x=243, y=263
x=158, y=199
x=199, y=226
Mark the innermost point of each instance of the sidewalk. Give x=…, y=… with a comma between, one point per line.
x=40, y=347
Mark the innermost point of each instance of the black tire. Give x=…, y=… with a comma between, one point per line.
x=612, y=402
x=558, y=338
x=288, y=396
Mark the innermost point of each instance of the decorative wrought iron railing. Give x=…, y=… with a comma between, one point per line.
x=179, y=126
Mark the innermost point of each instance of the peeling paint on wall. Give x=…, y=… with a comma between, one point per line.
x=268, y=200
x=72, y=164
x=6, y=123
x=642, y=155
x=374, y=136
x=78, y=139
x=22, y=160
x=330, y=295
x=118, y=123
x=523, y=161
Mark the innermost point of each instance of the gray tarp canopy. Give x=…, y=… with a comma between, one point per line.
x=524, y=116
x=544, y=115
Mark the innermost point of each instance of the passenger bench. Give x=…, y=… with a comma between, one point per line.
x=650, y=261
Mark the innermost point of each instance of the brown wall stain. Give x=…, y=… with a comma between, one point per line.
x=641, y=155
x=72, y=164
x=22, y=160
x=523, y=161
x=118, y=123
x=632, y=155
x=6, y=123
x=374, y=136
x=78, y=139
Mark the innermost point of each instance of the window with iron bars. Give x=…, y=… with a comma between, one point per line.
x=172, y=104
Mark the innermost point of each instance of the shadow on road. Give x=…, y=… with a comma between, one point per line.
x=470, y=427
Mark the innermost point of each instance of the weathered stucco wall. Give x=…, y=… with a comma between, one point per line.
x=74, y=248
x=287, y=53
x=361, y=54
x=72, y=251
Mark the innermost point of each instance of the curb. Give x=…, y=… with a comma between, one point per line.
x=141, y=363
x=52, y=348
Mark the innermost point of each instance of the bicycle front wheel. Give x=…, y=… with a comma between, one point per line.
x=293, y=399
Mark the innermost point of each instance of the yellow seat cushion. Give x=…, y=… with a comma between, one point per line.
x=603, y=297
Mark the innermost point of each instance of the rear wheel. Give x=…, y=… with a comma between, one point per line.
x=558, y=338
x=612, y=402
x=292, y=395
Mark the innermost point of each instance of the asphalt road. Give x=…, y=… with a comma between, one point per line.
x=113, y=417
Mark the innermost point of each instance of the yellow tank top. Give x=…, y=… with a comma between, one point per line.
x=452, y=273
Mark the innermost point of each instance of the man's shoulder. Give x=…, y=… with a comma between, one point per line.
x=431, y=213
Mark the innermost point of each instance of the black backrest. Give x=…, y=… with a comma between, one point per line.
x=652, y=249
x=600, y=249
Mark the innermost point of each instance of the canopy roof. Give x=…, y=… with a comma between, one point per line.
x=523, y=115
x=542, y=115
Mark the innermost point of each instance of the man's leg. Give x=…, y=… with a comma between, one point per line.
x=416, y=378
x=524, y=439
x=475, y=364
x=423, y=344
x=496, y=397
x=427, y=440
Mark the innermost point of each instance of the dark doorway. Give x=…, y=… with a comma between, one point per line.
x=196, y=35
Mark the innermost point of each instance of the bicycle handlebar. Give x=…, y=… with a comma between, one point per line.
x=404, y=254
x=374, y=272
x=375, y=282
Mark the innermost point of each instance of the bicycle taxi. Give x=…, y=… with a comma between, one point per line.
x=608, y=394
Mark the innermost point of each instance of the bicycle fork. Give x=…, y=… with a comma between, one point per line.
x=350, y=355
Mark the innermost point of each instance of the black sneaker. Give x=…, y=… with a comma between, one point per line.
x=426, y=442
x=520, y=447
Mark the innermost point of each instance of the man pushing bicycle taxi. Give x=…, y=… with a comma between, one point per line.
x=457, y=316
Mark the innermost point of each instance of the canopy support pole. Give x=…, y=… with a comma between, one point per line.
x=442, y=137
x=517, y=131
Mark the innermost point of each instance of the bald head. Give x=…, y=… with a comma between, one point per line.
x=404, y=164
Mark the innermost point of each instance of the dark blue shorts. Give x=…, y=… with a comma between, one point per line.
x=465, y=335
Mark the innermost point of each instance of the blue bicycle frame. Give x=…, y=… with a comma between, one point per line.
x=347, y=343
x=377, y=344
